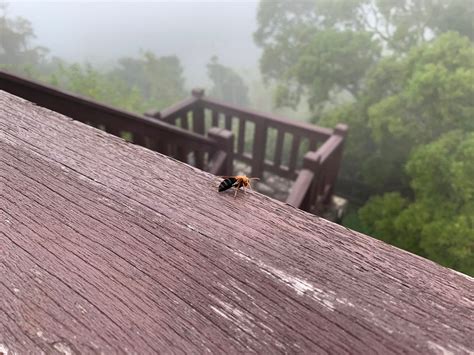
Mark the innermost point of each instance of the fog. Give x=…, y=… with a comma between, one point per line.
x=101, y=32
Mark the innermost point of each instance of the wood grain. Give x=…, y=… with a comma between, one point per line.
x=107, y=247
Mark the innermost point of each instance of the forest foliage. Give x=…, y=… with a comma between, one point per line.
x=400, y=73
x=227, y=85
x=139, y=83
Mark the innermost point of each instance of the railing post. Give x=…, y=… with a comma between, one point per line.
x=112, y=130
x=259, y=144
x=341, y=131
x=139, y=139
x=156, y=143
x=312, y=162
x=198, y=111
x=225, y=144
x=198, y=123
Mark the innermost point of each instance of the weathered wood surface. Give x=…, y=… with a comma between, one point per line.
x=109, y=247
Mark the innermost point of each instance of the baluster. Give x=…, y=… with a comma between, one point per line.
x=181, y=153
x=198, y=126
x=215, y=118
x=184, y=121
x=198, y=119
x=228, y=122
x=295, y=145
x=139, y=139
x=259, y=145
x=279, y=148
x=312, y=162
x=240, y=145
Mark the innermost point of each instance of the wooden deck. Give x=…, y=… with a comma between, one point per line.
x=199, y=131
x=107, y=247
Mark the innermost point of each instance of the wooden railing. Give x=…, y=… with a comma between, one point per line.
x=315, y=184
x=214, y=152
x=200, y=131
x=313, y=154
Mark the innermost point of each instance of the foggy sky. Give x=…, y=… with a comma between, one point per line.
x=104, y=31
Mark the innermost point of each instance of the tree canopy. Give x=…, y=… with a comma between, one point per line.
x=159, y=80
x=438, y=222
x=89, y=82
x=407, y=101
x=318, y=49
x=227, y=84
x=15, y=41
x=400, y=73
x=135, y=83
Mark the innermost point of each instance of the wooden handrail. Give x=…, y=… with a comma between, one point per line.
x=300, y=189
x=316, y=181
x=211, y=148
x=274, y=120
x=62, y=101
x=170, y=113
x=303, y=188
x=146, y=131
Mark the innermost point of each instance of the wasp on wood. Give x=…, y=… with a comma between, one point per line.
x=237, y=181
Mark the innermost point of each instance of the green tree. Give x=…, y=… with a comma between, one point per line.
x=159, y=79
x=406, y=102
x=438, y=222
x=137, y=84
x=16, y=52
x=89, y=82
x=403, y=71
x=406, y=23
x=322, y=49
x=227, y=84
x=315, y=49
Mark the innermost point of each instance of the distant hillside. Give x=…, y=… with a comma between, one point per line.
x=102, y=32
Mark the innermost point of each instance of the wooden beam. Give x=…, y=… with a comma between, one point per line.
x=108, y=247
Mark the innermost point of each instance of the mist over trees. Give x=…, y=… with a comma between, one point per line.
x=400, y=73
x=15, y=37
x=135, y=83
x=320, y=48
x=159, y=80
x=227, y=84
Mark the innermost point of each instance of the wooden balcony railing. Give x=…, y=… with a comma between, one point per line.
x=214, y=150
x=315, y=184
x=200, y=131
x=313, y=155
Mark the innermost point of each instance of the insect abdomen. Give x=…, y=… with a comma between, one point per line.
x=227, y=184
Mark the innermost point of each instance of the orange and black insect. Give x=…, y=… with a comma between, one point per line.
x=235, y=181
